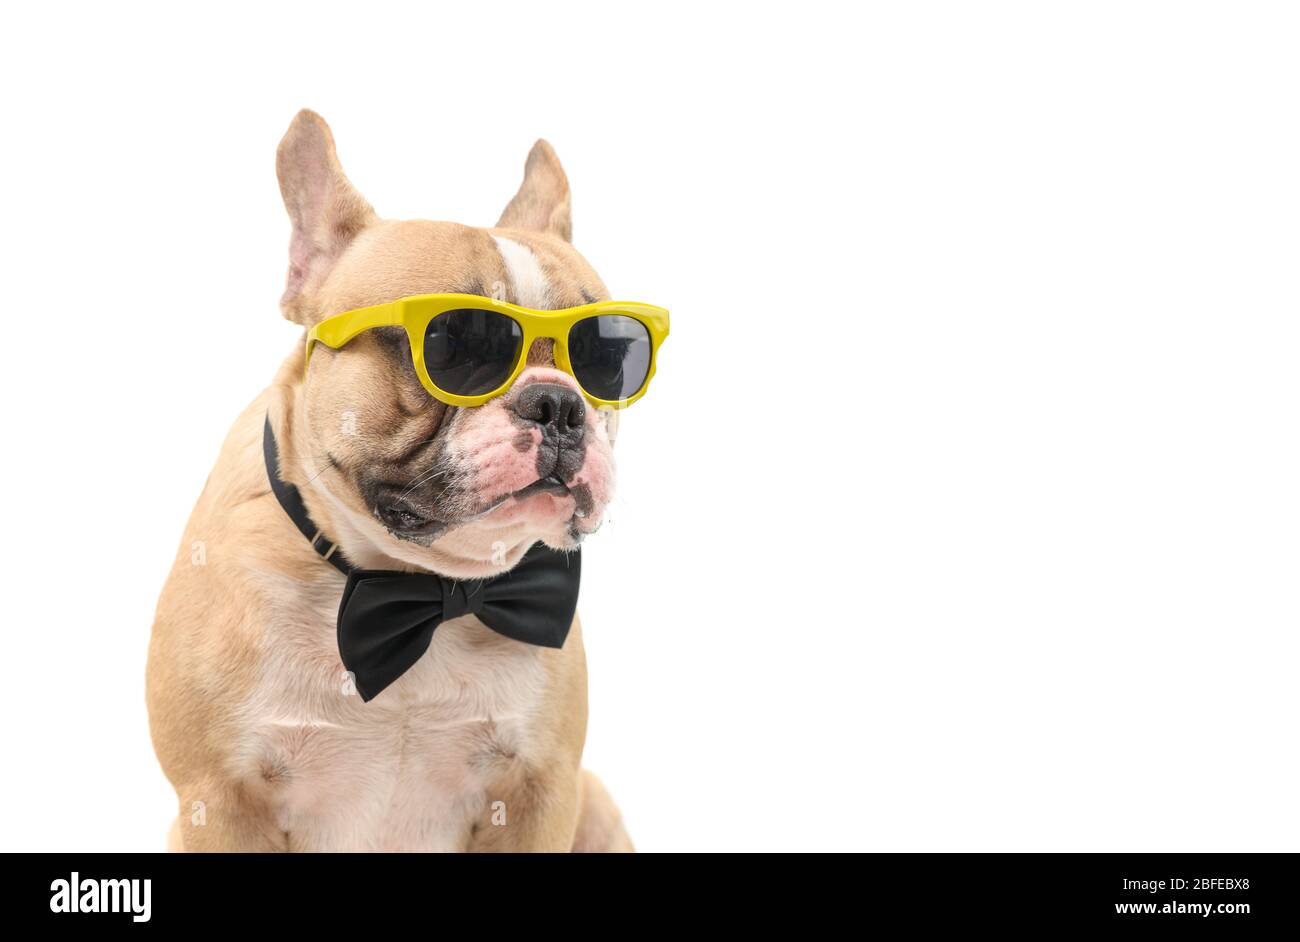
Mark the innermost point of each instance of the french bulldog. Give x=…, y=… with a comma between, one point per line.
x=478, y=746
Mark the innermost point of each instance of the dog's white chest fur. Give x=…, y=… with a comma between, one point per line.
x=411, y=770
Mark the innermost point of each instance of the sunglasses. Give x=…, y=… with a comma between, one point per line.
x=467, y=349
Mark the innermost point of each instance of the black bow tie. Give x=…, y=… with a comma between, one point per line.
x=387, y=619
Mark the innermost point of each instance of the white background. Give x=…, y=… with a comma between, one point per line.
x=963, y=512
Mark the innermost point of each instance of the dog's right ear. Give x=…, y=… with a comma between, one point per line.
x=326, y=210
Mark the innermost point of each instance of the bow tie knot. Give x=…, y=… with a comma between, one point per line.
x=461, y=598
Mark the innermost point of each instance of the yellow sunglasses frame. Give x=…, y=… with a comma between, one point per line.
x=415, y=312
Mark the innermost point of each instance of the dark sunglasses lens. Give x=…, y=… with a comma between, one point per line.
x=610, y=355
x=469, y=353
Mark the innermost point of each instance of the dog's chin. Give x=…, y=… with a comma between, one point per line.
x=493, y=541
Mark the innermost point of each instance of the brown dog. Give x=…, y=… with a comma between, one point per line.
x=478, y=745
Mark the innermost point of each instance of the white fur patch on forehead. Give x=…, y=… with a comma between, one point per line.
x=531, y=287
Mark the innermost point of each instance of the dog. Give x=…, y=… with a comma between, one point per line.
x=478, y=745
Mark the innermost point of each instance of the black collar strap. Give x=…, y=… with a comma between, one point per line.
x=291, y=501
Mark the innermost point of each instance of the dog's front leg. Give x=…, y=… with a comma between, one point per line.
x=224, y=818
x=532, y=811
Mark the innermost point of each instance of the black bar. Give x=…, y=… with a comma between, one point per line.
x=1231, y=892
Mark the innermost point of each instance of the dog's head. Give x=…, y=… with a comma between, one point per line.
x=461, y=491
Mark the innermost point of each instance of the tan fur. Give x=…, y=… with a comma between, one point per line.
x=600, y=825
x=249, y=709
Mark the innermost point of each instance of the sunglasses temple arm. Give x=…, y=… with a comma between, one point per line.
x=335, y=331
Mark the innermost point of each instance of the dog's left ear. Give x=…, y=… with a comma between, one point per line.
x=542, y=203
x=327, y=212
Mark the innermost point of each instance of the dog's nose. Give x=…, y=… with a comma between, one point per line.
x=553, y=406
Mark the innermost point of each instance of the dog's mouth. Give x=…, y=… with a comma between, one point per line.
x=401, y=518
x=406, y=519
x=551, y=484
